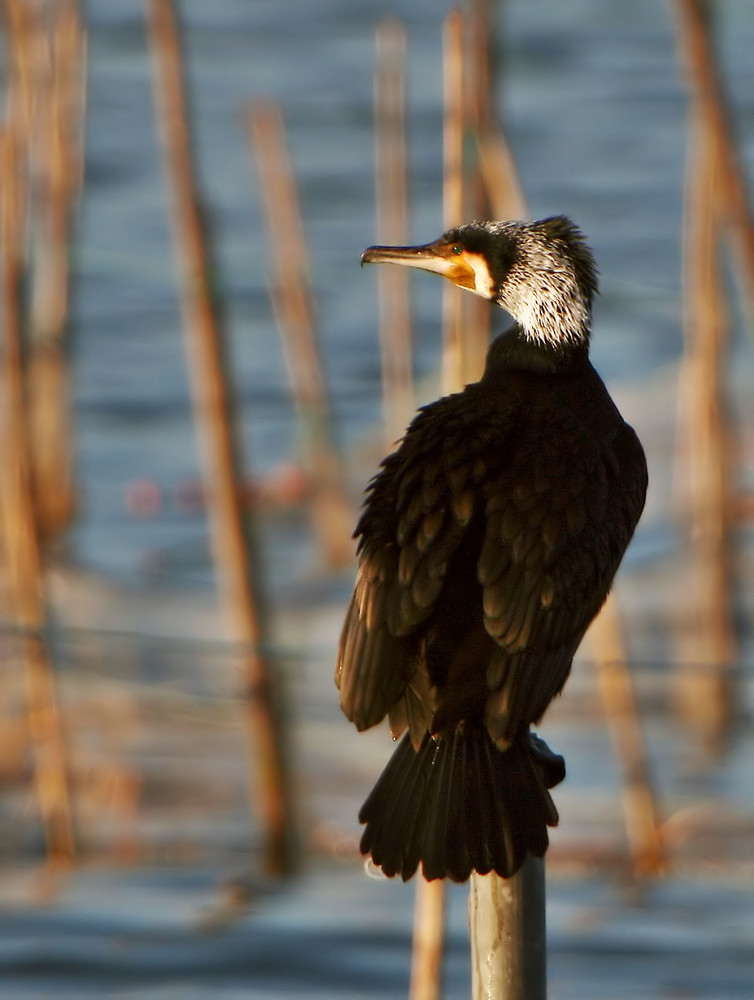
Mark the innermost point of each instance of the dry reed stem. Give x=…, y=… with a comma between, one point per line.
x=506, y=916
x=481, y=44
x=428, y=940
x=429, y=928
x=624, y=722
x=392, y=226
x=706, y=84
x=477, y=314
x=20, y=541
x=21, y=83
x=705, y=689
x=453, y=192
x=501, y=180
x=231, y=543
x=332, y=513
x=57, y=155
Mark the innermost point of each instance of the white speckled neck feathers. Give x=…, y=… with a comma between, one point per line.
x=542, y=273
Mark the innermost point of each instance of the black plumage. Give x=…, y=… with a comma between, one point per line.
x=488, y=542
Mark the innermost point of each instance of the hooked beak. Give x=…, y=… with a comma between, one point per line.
x=436, y=257
x=421, y=257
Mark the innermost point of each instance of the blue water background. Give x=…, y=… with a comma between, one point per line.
x=593, y=100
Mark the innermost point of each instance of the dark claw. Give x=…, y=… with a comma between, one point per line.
x=551, y=765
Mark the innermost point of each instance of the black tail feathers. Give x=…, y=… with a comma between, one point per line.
x=459, y=804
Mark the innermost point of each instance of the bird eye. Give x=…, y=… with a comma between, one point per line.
x=456, y=249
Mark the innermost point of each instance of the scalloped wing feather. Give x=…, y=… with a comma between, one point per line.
x=417, y=513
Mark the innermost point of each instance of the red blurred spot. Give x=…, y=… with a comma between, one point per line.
x=287, y=484
x=143, y=498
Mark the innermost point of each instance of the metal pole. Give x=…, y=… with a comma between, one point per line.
x=507, y=929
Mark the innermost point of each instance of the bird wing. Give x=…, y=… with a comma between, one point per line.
x=416, y=515
x=558, y=520
x=542, y=523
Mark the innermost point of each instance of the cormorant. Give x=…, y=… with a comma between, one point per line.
x=487, y=544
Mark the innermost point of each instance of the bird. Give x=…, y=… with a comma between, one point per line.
x=488, y=541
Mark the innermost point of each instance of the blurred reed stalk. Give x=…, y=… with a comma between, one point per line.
x=498, y=169
x=478, y=34
x=428, y=940
x=705, y=685
x=468, y=101
x=716, y=201
x=705, y=82
x=429, y=914
x=20, y=539
x=495, y=163
x=293, y=302
x=453, y=209
x=54, y=50
x=392, y=226
x=619, y=699
x=231, y=540
x=507, y=933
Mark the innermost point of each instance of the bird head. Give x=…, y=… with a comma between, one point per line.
x=542, y=273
